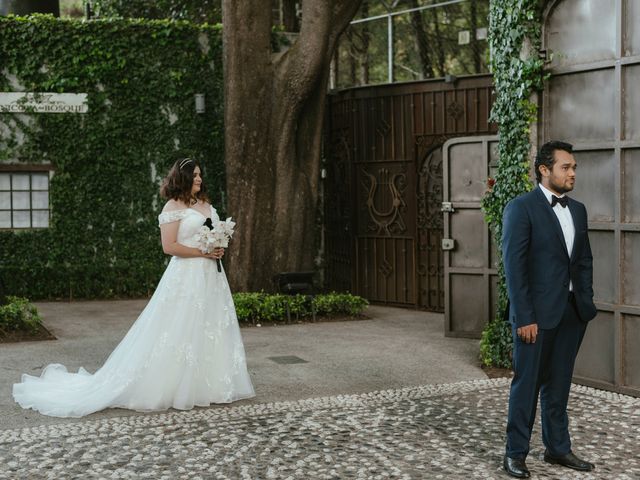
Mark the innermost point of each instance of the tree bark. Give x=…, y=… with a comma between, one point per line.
x=439, y=46
x=364, y=51
x=422, y=43
x=475, y=45
x=274, y=107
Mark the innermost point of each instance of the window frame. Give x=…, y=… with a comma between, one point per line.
x=28, y=169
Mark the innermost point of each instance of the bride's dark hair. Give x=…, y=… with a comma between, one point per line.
x=178, y=182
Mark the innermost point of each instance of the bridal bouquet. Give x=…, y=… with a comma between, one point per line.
x=215, y=235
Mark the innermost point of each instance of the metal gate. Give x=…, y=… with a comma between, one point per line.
x=470, y=275
x=593, y=102
x=383, y=186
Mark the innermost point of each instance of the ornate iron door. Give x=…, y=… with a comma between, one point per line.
x=384, y=177
x=430, y=225
x=383, y=186
x=385, y=244
x=470, y=274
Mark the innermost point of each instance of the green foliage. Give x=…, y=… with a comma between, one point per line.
x=248, y=305
x=19, y=315
x=140, y=77
x=425, y=43
x=496, y=344
x=515, y=79
x=197, y=11
x=338, y=303
x=258, y=307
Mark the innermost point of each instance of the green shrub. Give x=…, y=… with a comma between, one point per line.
x=19, y=314
x=339, y=303
x=300, y=306
x=496, y=345
x=247, y=305
x=273, y=307
x=255, y=307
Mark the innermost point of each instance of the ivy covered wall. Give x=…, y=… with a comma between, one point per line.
x=518, y=73
x=140, y=77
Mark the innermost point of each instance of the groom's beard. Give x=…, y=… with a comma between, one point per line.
x=562, y=188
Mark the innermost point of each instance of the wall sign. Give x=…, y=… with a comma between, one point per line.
x=30, y=102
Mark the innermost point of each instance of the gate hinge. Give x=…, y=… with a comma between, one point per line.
x=447, y=207
x=448, y=243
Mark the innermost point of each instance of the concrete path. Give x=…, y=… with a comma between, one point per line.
x=396, y=348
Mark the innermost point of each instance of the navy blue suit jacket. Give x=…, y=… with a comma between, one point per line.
x=537, y=265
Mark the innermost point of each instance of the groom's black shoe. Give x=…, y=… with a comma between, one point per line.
x=569, y=460
x=516, y=467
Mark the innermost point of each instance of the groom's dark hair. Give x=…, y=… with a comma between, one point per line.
x=546, y=156
x=178, y=182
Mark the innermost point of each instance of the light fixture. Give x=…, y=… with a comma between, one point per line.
x=450, y=78
x=199, y=99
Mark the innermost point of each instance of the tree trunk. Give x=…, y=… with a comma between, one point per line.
x=475, y=44
x=364, y=51
x=422, y=43
x=353, y=55
x=439, y=45
x=274, y=107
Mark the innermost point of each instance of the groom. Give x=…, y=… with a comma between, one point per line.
x=548, y=267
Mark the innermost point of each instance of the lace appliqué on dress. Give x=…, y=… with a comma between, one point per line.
x=171, y=216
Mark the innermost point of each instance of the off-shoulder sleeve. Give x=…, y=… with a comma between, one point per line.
x=171, y=216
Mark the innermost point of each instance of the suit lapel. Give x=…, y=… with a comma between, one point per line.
x=553, y=219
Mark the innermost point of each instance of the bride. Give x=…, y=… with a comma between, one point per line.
x=184, y=349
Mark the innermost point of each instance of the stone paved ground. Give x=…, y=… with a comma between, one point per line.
x=441, y=431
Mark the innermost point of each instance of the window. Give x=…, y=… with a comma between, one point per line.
x=24, y=198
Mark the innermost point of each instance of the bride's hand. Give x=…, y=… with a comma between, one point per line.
x=216, y=254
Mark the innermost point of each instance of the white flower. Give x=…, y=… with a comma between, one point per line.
x=217, y=237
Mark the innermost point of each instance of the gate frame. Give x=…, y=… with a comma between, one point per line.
x=486, y=271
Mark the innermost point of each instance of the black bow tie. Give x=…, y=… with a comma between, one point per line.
x=563, y=201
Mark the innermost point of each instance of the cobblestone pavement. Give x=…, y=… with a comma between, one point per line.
x=430, y=432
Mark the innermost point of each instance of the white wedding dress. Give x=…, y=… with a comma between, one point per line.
x=184, y=349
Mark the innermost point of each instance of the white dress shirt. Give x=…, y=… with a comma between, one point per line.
x=566, y=222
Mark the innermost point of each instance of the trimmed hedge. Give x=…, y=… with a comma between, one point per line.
x=141, y=77
x=259, y=307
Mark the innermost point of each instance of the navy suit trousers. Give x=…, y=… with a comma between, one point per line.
x=544, y=369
